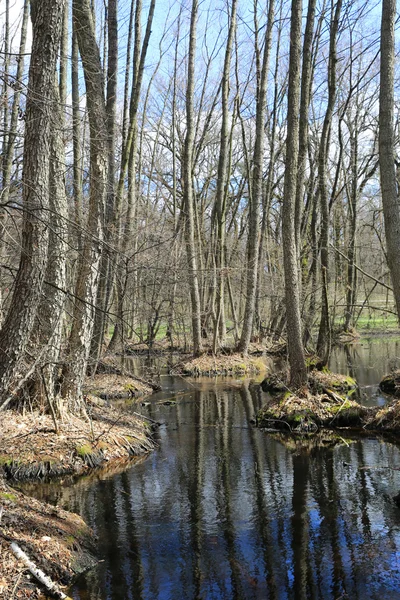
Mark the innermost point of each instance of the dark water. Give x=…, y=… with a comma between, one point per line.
x=224, y=511
x=367, y=361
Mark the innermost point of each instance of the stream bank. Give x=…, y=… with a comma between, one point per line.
x=58, y=542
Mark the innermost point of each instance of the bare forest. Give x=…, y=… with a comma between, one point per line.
x=200, y=175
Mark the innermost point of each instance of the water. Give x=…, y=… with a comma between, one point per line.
x=367, y=361
x=224, y=511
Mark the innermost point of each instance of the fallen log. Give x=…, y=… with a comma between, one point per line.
x=40, y=576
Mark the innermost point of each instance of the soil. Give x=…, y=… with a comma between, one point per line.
x=111, y=386
x=325, y=402
x=58, y=542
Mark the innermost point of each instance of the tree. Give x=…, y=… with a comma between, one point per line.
x=298, y=372
x=389, y=185
x=15, y=333
x=188, y=197
x=256, y=183
x=88, y=269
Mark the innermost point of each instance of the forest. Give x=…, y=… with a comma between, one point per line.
x=207, y=174
x=216, y=178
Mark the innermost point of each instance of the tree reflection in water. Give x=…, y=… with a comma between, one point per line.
x=224, y=511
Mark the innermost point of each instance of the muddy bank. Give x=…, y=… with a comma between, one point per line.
x=327, y=402
x=30, y=447
x=58, y=542
x=113, y=382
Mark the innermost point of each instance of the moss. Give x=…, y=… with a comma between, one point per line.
x=84, y=450
x=8, y=496
x=70, y=541
x=335, y=408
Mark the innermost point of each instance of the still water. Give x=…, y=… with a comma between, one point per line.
x=224, y=511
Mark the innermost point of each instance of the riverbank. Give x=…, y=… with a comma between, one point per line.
x=58, y=542
x=326, y=403
x=31, y=448
x=212, y=365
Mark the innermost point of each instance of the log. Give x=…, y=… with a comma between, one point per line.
x=40, y=576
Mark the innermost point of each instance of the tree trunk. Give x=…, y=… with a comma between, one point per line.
x=47, y=333
x=188, y=196
x=324, y=334
x=222, y=182
x=256, y=190
x=105, y=283
x=298, y=373
x=15, y=333
x=390, y=198
x=88, y=268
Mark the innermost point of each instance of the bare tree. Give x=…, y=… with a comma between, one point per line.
x=15, y=333
x=389, y=185
x=88, y=268
x=298, y=373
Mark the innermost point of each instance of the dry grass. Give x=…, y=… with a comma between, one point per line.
x=230, y=364
x=115, y=386
x=29, y=446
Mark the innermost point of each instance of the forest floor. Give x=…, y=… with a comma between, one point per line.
x=30, y=447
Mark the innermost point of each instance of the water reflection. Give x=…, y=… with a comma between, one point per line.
x=367, y=361
x=224, y=511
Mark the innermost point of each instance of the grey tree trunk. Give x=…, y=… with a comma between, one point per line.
x=389, y=190
x=298, y=372
x=88, y=269
x=188, y=196
x=106, y=275
x=76, y=140
x=222, y=182
x=47, y=333
x=324, y=334
x=128, y=160
x=305, y=98
x=15, y=333
x=9, y=148
x=256, y=190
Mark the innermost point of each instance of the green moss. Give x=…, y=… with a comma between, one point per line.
x=84, y=450
x=335, y=408
x=129, y=387
x=8, y=496
x=70, y=540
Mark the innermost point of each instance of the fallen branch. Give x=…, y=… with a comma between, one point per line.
x=40, y=576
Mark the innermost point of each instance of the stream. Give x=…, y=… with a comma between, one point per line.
x=224, y=511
